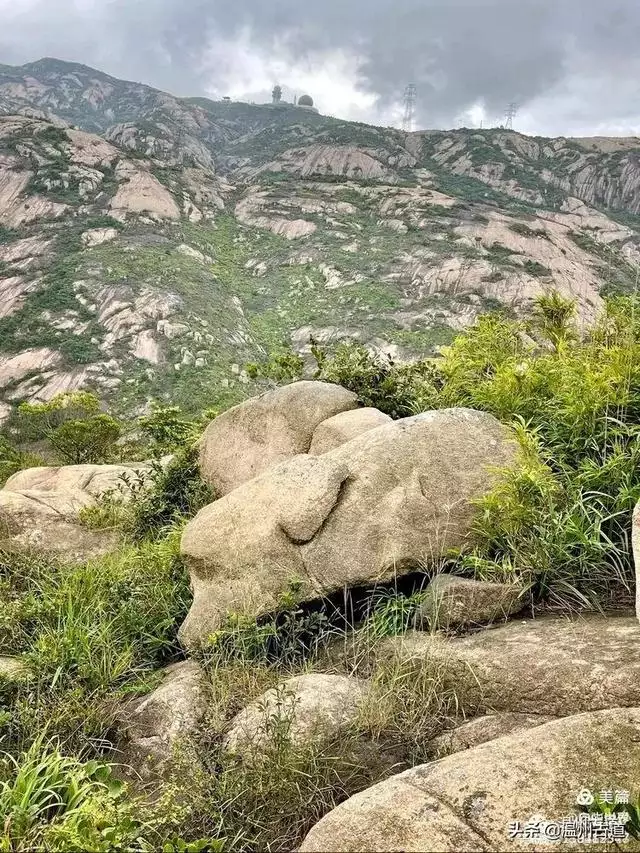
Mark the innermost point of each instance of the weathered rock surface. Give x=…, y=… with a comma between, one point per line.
x=454, y=602
x=152, y=725
x=12, y=668
x=18, y=366
x=39, y=508
x=306, y=709
x=482, y=729
x=382, y=504
x=141, y=192
x=247, y=439
x=466, y=801
x=555, y=666
x=343, y=427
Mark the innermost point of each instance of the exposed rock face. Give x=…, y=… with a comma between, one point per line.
x=17, y=366
x=332, y=248
x=305, y=709
x=482, y=729
x=379, y=505
x=98, y=236
x=551, y=665
x=347, y=160
x=142, y=193
x=153, y=725
x=246, y=440
x=343, y=427
x=13, y=293
x=453, y=602
x=467, y=801
x=251, y=211
x=39, y=508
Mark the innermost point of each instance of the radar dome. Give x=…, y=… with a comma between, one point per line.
x=305, y=101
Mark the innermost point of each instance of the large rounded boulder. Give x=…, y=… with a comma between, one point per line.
x=248, y=439
x=387, y=502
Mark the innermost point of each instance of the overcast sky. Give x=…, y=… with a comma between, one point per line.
x=572, y=66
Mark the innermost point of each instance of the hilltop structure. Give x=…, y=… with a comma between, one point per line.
x=304, y=102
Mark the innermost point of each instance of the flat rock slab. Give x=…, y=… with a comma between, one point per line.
x=552, y=666
x=467, y=801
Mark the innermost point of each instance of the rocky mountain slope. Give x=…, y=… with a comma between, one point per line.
x=150, y=246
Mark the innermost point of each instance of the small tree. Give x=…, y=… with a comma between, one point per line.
x=88, y=441
x=39, y=420
x=73, y=426
x=167, y=429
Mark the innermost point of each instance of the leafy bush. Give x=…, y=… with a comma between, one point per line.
x=13, y=460
x=168, y=430
x=73, y=426
x=54, y=134
x=397, y=390
x=39, y=420
x=282, y=366
x=92, y=440
x=172, y=492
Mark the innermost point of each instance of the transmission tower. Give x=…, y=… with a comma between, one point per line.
x=509, y=114
x=409, y=107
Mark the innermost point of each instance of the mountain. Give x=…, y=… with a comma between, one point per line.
x=150, y=246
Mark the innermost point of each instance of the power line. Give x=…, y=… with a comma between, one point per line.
x=409, y=107
x=509, y=114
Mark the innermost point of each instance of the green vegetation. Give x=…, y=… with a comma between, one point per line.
x=92, y=636
x=524, y=230
x=73, y=427
x=54, y=135
x=562, y=523
x=536, y=269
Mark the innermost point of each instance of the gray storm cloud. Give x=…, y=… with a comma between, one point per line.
x=459, y=52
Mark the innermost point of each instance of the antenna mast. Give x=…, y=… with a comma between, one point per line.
x=510, y=113
x=409, y=107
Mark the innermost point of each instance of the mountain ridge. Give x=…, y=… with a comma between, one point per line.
x=163, y=243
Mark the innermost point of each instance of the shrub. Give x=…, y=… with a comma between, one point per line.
x=13, y=460
x=73, y=426
x=283, y=366
x=168, y=430
x=54, y=134
x=171, y=493
x=38, y=420
x=91, y=440
x=397, y=390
